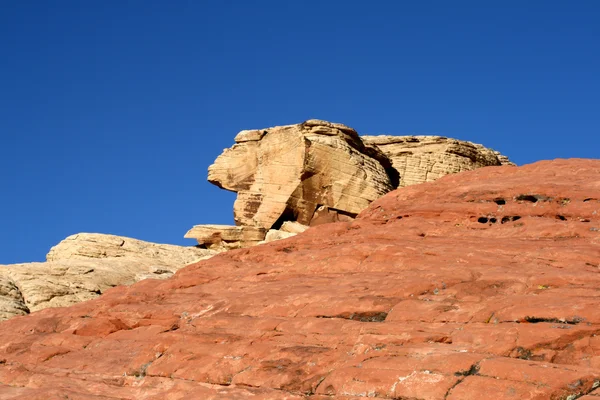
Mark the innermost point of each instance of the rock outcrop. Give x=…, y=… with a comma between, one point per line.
x=226, y=237
x=288, y=172
x=421, y=159
x=318, y=172
x=83, y=266
x=478, y=285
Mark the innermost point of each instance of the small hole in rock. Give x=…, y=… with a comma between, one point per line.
x=561, y=217
x=493, y=220
x=482, y=220
x=527, y=197
x=500, y=201
x=509, y=218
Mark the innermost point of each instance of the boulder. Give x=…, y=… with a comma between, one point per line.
x=421, y=159
x=83, y=266
x=479, y=285
x=293, y=227
x=288, y=172
x=276, y=234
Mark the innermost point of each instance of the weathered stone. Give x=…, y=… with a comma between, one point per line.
x=293, y=227
x=85, y=246
x=288, y=172
x=249, y=136
x=326, y=215
x=83, y=266
x=319, y=172
x=276, y=234
x=421, y=159
x=11, y=299
x=226, y=236
x=478, y=285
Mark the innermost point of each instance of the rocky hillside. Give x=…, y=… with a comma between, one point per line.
x=83, y=266
x=287, y=178
x=482, y=284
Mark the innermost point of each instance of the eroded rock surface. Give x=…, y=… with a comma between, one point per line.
x=319, y=172
x=421, y=159
x=83, y=266
x=288, y=172
x=226, y=237
x=478, y=285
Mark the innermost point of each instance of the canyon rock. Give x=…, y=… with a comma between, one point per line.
x=421, y=159
x=288, y=172
x=83, y=266
x=226, y=237
x=482, y=284
x=319, y=172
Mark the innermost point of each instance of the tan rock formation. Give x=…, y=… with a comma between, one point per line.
x=83, y=266
x=226, y=236
x=288, y=172
x=320, y=172
x=421, y=159
x=293, y=227
x=287, y=230
x=85, y=246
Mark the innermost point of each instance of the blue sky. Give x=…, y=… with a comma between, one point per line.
x=111, y=111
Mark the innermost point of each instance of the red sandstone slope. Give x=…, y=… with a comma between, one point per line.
x=484, y=284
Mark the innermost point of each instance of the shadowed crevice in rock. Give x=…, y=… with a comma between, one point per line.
x=360, y=316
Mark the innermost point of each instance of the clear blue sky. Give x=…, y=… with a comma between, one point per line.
x=111, y=111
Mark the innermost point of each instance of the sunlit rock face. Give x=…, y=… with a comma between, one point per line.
x=288, y=172
x=83, y=266
x=421, y=159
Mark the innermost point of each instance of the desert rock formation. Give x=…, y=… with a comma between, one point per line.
x=290, y=171
x=319, y=172
x=226, y=237
x=482, y=284
x=421, y=159
x=83, y=266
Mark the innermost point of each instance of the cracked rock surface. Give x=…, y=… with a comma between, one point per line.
x=479, y=285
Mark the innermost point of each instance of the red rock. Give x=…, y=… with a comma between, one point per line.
x=479, y=285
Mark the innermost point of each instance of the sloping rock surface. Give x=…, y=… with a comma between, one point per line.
x=288, y=172
x=479, y=285
x=83, y=266
x=421, y=159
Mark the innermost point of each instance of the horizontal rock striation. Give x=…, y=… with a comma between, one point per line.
x=288, y=172
x=319, y=172
x=421, y=159
x=478, y=285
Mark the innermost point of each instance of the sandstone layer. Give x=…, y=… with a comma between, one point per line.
x=478, y=285
x=421, y=159
x=318, y=172
x=83, y=266
x=288, y=172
